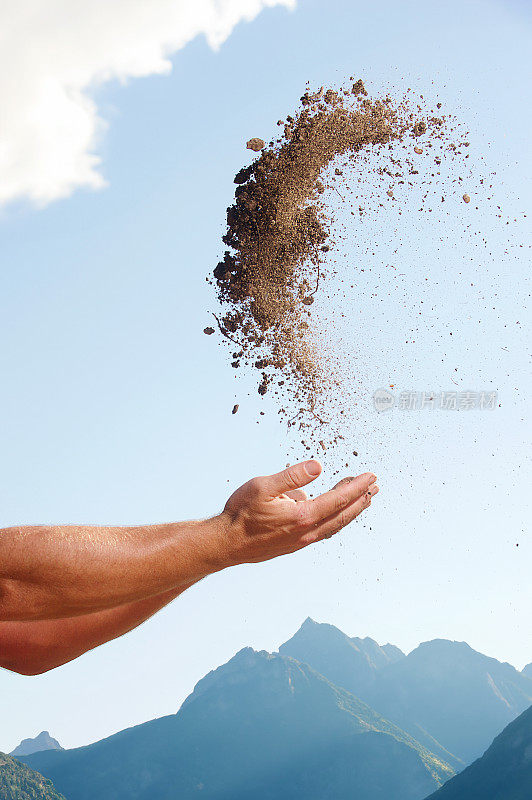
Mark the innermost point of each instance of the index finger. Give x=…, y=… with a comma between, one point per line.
x=343, y=494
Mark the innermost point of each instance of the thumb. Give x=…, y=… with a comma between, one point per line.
x=292, y=477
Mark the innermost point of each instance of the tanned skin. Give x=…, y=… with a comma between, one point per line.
x=66, y=589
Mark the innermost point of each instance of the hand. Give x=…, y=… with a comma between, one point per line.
x=272, y=516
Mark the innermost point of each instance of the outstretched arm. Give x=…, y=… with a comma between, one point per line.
x=64, y=571
x=31, y=648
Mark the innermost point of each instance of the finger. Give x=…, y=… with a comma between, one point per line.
x=340, y=520
x=292, y=477
x=343, y=494
x=297, y=495
x=343, y=482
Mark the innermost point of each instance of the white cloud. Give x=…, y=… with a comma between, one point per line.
x=52, y=52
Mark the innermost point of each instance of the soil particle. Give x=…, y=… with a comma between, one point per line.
x=419, y=128
x=358, y=88
x=254, y=144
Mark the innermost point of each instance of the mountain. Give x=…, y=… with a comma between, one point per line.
x=354, y=664
x=459, y=696
x=503, y=773
x=528, y=670
x=261, y=726
x=41, y=742
x=19, y=782
x=348, y=662
x=450, y=698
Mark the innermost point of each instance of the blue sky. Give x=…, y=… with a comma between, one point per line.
x=116, y=408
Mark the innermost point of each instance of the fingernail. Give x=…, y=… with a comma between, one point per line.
x=372, y=478
x=313, y=467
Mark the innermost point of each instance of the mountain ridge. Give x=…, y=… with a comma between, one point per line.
x=262, y=723
x=43, y=741
x=285, y=725
x=449, y=697
x=504, y=772
x=347, y=661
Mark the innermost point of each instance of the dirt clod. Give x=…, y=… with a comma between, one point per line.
x=280, y=231
x=256, y=145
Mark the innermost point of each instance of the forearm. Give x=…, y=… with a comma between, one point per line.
x=31, y=648
x=64, y=571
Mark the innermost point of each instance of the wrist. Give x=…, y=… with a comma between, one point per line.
x=215, y=543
